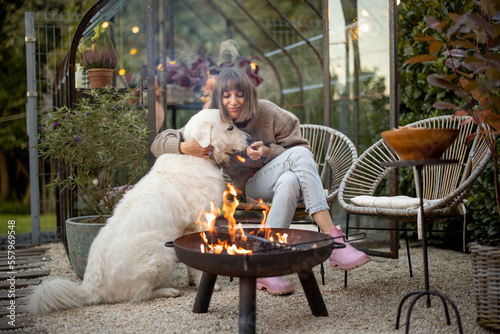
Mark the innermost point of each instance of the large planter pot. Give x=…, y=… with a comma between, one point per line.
x=80, y=236
x=486, y=278
x=100, y=77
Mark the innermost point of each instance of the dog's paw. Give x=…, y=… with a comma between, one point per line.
x=165, y=293
x=217, y=287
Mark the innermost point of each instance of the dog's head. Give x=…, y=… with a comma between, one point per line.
x=208, y=128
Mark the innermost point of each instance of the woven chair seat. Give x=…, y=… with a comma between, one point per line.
x=446, y=185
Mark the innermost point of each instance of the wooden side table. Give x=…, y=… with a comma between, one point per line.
x=418, y=166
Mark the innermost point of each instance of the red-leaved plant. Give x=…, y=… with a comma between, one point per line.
x=468, y=45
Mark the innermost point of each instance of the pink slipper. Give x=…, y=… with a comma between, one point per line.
x=275, y=285
x=348, y=257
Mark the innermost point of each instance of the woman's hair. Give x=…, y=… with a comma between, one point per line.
x=234, y=79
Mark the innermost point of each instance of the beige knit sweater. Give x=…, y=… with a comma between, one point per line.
x=277, y=128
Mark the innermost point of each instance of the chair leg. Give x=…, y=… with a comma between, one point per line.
x=408, y=253
x=322, y=268
x=346, y=233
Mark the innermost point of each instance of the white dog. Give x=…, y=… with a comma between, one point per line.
x=128, y=260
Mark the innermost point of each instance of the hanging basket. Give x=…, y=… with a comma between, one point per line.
x=486, y=277
x=100, y=77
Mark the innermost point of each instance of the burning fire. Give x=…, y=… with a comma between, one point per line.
x=207, y=221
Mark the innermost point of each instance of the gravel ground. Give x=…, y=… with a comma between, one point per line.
x=368, y=305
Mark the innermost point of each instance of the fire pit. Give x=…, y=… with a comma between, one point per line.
x=304, y=250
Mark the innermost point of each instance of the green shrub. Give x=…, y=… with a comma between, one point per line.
x=14, y=208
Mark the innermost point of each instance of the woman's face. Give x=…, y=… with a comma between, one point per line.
x=233, y=102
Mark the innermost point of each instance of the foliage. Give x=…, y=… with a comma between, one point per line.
x=98, y=57
x=463, y=48
x=14, y=207
x=194, y=74
x=417, y=96
x=13, y=138
x=469, y=51
x=95, y=50
x=97, y=138
x=485, y=219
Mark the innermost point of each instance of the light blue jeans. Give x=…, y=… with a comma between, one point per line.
x=285, y=180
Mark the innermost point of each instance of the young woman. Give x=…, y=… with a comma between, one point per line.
x=278, y=167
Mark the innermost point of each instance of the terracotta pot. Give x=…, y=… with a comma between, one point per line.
x=419, y=143
x=80, y=236
x=100, y=77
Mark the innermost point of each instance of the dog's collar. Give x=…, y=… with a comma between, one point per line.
x=242, y=124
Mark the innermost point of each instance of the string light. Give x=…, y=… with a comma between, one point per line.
x=105, y=24
x=135, y=29
x=121, y=72
x=133, y=51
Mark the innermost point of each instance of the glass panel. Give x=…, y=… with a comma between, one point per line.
x=359, y=67
x=259, y=30
x=360, y=86
x=271, y=35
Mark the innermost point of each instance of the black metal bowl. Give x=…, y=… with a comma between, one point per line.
x=263, y=264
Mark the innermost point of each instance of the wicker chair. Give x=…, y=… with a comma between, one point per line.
x=333, y=153
x=446, y=185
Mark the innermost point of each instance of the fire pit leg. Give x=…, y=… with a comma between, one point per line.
x=247, y=305
x=204, y=294
x=313, y=293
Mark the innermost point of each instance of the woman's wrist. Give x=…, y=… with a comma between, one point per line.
x=265, y=151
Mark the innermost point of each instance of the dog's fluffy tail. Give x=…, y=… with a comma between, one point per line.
x=57, y=294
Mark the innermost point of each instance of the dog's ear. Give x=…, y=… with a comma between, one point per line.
x=203, y=133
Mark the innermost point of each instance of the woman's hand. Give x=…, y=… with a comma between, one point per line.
x=257, y=150
x=192, y=147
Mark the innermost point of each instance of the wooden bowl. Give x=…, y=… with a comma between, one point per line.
x=419, y=143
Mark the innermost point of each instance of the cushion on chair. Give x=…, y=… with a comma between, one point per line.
x=393, y=202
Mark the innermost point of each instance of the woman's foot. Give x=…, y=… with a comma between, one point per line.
x=275, y=285
x=348, y=257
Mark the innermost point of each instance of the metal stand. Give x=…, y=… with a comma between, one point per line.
x=248, y=298
x=419, y=165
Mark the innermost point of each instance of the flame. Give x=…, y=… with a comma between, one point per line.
x=210, y=218
x=229, y=209
x=233, y=249
x=240, y=158
x=207, y=221
x=282, y=239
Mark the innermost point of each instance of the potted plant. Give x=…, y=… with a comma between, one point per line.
x=468, y=46
x=99, y=63
x=103, y=141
